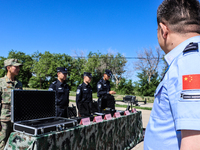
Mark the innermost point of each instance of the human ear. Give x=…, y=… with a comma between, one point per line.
x=8, y=67
x=164, y=30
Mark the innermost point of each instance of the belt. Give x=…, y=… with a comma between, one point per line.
x=5, y=105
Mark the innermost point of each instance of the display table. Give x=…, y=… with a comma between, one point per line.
x=116, y=134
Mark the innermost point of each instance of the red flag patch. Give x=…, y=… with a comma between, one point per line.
x=191, y=82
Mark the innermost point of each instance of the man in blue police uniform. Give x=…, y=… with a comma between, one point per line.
x=62, y=92
x=84, y=96
x=104, y=93
x=175, y=122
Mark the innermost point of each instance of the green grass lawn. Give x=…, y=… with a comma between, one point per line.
x=137, y=107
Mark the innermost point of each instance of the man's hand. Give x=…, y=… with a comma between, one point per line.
x=190, y=140
x=112, y=92
x=79, y=114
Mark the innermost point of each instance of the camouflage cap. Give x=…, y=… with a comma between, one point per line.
x=12, y=62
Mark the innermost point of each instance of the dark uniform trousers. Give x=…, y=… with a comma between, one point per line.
x=61, y=111
x=84, y=99
x=84, y=109
x=62, y=98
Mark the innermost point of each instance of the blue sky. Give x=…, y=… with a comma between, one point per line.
x=65, y=26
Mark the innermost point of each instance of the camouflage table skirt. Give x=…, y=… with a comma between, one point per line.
x=116, y=134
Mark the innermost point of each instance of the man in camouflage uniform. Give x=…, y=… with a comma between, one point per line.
x=7, y=83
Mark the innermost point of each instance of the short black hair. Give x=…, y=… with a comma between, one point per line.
x=181, y=16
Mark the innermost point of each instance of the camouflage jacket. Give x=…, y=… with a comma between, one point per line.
x=5, y=96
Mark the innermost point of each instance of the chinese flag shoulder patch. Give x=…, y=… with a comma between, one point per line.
x=191, y=82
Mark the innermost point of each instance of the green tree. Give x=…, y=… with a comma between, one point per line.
x=97, y=63
x=129, y=88
x=116, y=64
x=44, y=68
x=149, y=61
x=125, y=87
x=2, y=68
x=143, y=86
x=34, y=82
x=41, y=67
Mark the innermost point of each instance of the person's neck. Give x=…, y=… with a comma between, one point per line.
x=104, y=78
x=10, y=76
x=85, y=82
x=62, y=81
x=177, y=39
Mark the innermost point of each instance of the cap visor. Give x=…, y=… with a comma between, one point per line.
x=64, y=71
x=17, y=64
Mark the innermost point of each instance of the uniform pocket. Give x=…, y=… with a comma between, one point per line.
x=85, y=91
x=161, y=103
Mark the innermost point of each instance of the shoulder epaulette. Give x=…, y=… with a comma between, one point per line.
x=191, y=47
x=54, y=82
x=80, y=85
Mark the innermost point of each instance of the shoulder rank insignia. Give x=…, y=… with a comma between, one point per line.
x=191, y=47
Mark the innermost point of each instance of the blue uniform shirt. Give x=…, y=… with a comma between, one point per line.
x=170, y=113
